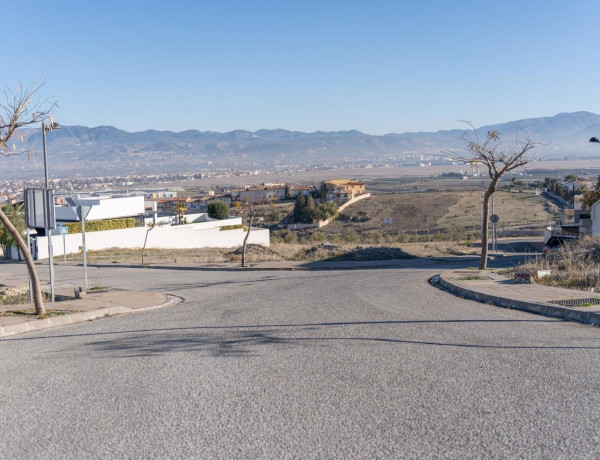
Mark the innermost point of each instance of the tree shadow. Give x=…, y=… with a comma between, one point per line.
x=248, y=340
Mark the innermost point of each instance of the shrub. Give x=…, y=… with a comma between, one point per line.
x=101, y=225
x=290, y=238
x=218, y=210
x=351, y=236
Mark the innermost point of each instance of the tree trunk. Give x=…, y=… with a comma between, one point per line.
x=38, y=300
x=246, y=239
x=144, y=247
x=485, y=224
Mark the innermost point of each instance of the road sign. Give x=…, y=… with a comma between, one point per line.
x=387, y=221
x=39, y=208
x=64, y=230
x=494, y=218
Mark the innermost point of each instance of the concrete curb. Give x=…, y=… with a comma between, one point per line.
x=79, y=317
x=258, y=269
x=553, y=311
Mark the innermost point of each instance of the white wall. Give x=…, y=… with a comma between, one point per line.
x=109, y=208
x=200, y=235
x=596, y=218
x=192, y=219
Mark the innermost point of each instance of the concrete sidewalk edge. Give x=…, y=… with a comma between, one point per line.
x=553, y=311
x=80, y=317
x=291, y=266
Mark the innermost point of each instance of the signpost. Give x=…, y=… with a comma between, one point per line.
x=83, y=209
x=494, y=220
x=39, y=213
x=64, y=230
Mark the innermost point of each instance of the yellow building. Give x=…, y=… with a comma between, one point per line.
x=344, y=189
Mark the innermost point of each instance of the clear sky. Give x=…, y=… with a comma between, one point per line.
x=375, y=66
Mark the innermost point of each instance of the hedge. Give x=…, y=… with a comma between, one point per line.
x=100, y=225
x=233, y=227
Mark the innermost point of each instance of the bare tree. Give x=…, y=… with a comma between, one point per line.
x=19, y=109
x=251, y=213
x=499, y=159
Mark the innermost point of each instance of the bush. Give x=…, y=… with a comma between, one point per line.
x=101, y=225
x=290, y=238
x=218, y=210
x=326, y=210
x=351, y=236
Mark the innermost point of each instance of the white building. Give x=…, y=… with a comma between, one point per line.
x=104, y=207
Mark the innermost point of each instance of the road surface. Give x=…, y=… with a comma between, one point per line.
x=318, y=364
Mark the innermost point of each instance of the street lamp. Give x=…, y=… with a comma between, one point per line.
x=49, y=127
x=595, y=139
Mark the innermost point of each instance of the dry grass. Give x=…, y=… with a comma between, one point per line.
x=514, y=209
x=299, y=252
x=575, y=265
x=444, y=214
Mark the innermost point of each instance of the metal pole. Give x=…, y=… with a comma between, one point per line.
x=48, y=231
x=64, y=248
x=82, y=218
x=29, y=249
x=493, y=227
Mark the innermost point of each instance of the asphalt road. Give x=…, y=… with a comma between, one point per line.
x=319, y=364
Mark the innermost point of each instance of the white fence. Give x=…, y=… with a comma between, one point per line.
x=189, y=236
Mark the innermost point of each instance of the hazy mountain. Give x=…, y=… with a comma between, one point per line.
x=105, y=149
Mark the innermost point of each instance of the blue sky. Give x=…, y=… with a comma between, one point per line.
x=378, y=66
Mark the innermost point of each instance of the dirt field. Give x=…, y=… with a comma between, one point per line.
x=277, y=252
x=435, y=212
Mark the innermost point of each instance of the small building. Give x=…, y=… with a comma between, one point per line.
x=344, y=189
x=258, y=194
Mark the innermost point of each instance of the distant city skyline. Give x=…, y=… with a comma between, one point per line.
x=382, y=67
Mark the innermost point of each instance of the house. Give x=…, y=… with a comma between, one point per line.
x=296, y=190
x=168, y=206
x=344, y=189
x=200, y=204
x=260, y=194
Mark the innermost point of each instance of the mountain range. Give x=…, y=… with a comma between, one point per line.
x=107, y=150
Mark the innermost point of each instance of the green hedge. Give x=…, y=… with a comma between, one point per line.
x=233, y=227
x=100, y=225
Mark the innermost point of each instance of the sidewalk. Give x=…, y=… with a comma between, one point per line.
x=96, y=304
x=491, y=287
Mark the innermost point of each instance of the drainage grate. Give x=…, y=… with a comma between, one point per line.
x=576, y=302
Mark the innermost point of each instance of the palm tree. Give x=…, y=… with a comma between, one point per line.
x=180, y=208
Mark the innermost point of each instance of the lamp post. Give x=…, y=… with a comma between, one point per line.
x=49, y=127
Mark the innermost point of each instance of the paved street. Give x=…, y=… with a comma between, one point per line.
x=315, y=364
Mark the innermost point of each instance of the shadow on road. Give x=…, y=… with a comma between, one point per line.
x=240, y=340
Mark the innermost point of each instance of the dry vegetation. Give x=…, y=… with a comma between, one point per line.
x=423, y=225
x=450, y=215
x=575, y=265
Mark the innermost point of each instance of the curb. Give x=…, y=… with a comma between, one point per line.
x=258, y=269
x=80, y=317
x=553, y=311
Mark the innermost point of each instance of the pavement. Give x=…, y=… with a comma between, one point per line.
x=490, y=287
x=493, y=287
x=96, y=304
x=300, y=364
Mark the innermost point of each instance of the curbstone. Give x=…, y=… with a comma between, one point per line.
x=78, y=317
x=553, y=311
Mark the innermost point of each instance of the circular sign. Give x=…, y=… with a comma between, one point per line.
x=494, y=218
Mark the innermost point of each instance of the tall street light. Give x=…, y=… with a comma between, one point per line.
x=49, y=127
x=595, y=139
